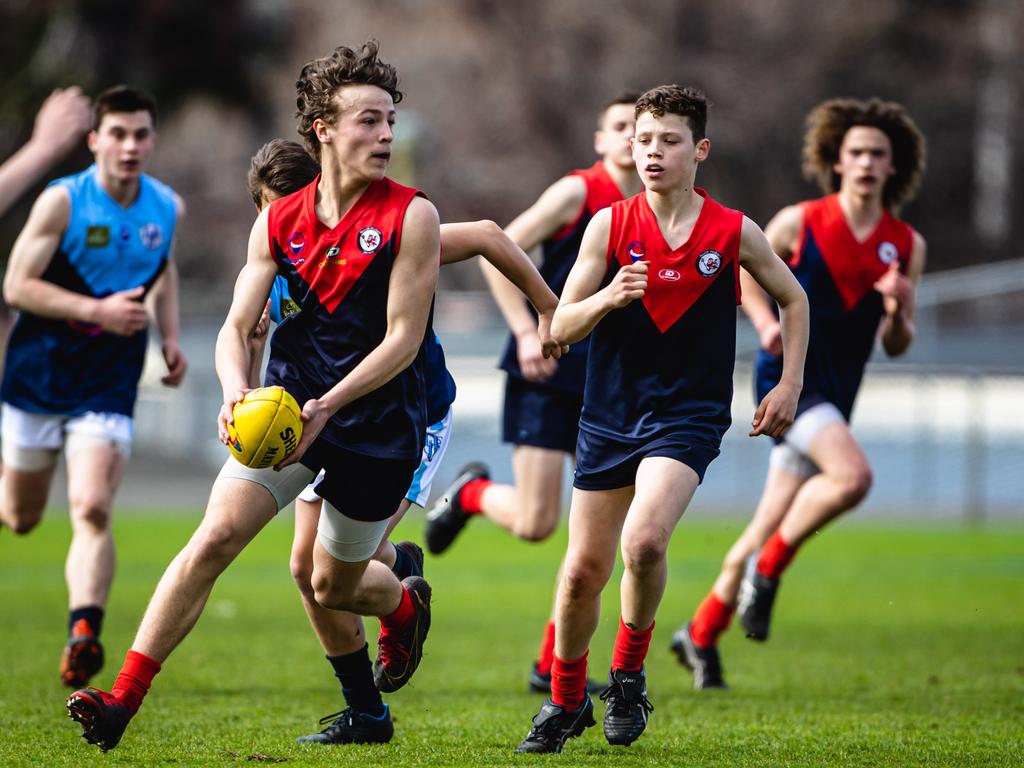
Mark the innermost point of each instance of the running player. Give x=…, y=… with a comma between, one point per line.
x=543, y=397
x=859, y=265
x=657, y=282
x=360, y=254
x=277, y=169
x=91, y=266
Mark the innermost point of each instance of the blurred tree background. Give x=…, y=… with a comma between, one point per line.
x=501, y=97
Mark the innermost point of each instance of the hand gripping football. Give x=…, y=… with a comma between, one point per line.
x=268, y=426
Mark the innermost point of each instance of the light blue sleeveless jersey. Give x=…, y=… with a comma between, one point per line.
x=67, y=367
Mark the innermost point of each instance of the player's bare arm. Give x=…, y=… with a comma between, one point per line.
x=464, y=240
x=898, y=296
x=782, y=232
x=24, y=289
x=410, y=292
x=556, y=208
x=777, y=410
x=61, y=124
x=582, y=305
x=233, y=352
x=162, y=304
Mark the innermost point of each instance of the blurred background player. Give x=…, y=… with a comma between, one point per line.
x=543, y=397
x=859, y=265
x=91, y=267
x=353, y=355
x=61, y=123
x=279, y=168
x=657, y=283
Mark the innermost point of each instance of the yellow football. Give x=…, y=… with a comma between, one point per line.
x=268, y=426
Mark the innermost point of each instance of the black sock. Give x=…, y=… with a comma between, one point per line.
x=91, y=613
x=404, y=564
x=355, y=673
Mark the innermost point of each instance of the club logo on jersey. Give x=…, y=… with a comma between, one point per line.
x=151, y=236
x=97, y=237
x=370, y=239
x=332, y=258
x=887, y=253
x=637, y=251
x=297, y=242
x=669, y=274
x=708, y=263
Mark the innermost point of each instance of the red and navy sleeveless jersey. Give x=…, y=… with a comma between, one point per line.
x=838, y=273
x=339, y=278
x=663, y=364
x=560, y=251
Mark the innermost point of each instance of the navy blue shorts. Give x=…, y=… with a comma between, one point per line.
x=603, y=464
x=540, y=417
x=361, y=487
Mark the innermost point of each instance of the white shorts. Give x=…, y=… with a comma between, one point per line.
x=31, y=441
x=434, y=449
x=791, y=453
x=345, y=539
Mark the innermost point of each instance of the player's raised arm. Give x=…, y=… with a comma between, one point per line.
x=233, y=353
x=898, y=295
x=121, y=313
x=582, y=305
x=556, y=208
x=465, y=240
x=162, y=303
x=410, y=293
x=778, y=408
x=61, y=124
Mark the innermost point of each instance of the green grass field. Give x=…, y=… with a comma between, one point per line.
x=891, y=647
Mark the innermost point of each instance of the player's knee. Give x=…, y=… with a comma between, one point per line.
x=330, y=593
x=302, y=573
x=736, y=559
x=854, y=485
x=91, y=512
x=216, y=543
x=538, y=520
x=25, y=522
x=642, y=553
x=583, y=577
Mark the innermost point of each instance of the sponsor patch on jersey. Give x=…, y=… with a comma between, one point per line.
x=97, y=237
x=297, y=242
x=708, y=263
x=151, y=236
x=332, y=258
x=370, y=239
x=887, y=252
x=637, y=251
x=669, y=274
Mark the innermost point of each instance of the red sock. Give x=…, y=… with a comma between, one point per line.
x=471, y=493
x=569, y=681
x=547, y=650
x=711, y=620
x=775, y=556
x=403, y=615
x=134, y=679
x=631, y=647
